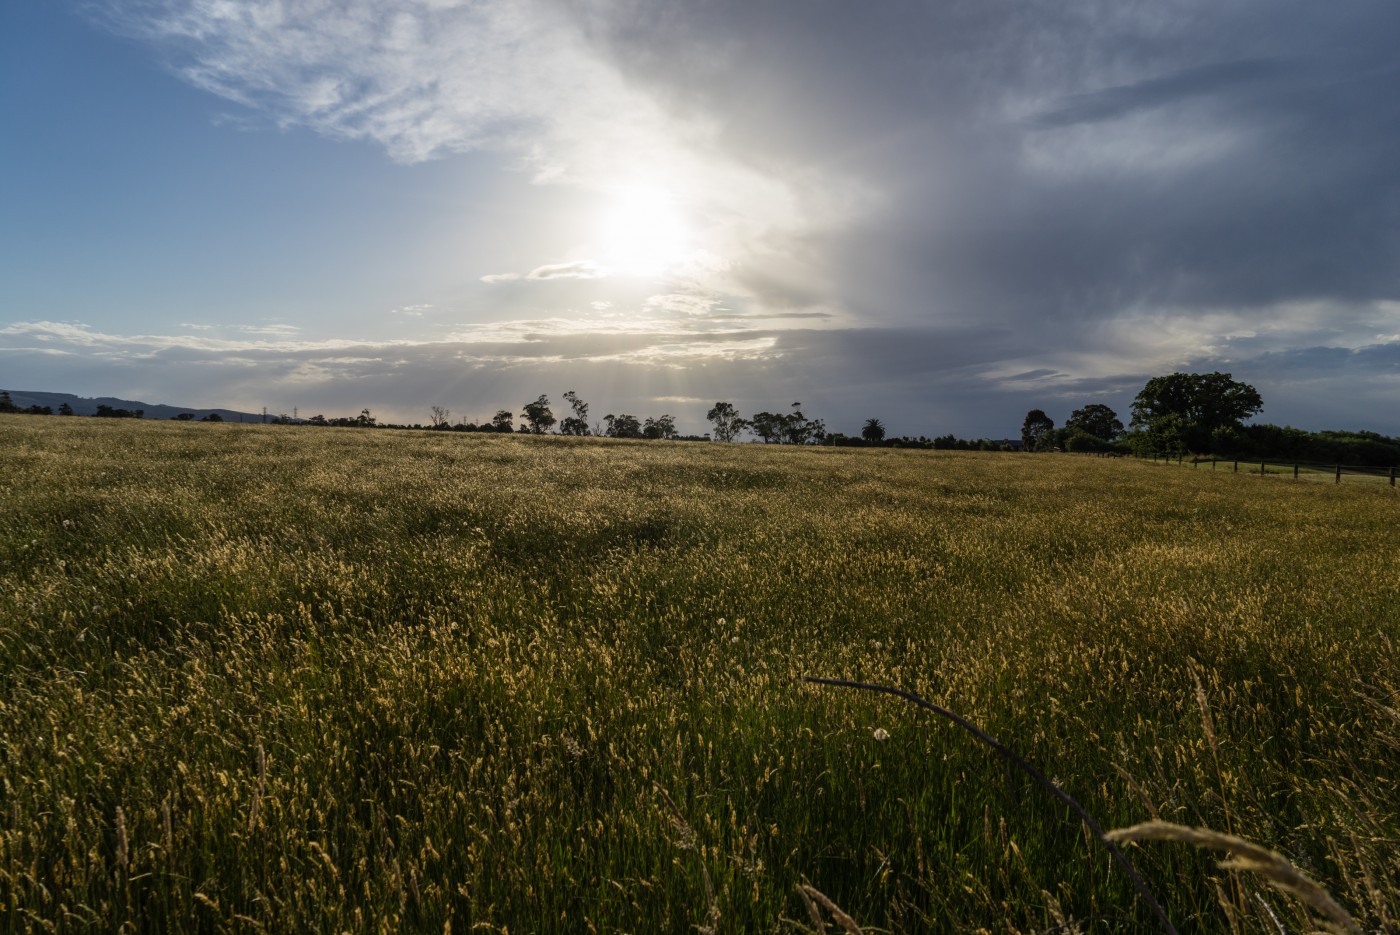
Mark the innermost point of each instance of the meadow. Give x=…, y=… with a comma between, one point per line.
x=272, y=678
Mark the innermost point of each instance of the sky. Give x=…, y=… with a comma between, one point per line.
x=939, y=213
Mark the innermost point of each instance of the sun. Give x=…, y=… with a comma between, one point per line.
x=643, y=231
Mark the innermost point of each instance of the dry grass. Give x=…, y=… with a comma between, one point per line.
x=1276, y=869
x=269, y=678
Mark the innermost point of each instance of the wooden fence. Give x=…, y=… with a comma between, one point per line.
x=1299, y=469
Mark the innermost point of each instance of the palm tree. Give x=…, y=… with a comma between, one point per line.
x=874, y=431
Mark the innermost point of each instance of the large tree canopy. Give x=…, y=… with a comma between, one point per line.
x=1097, y=420
x=1202, y=402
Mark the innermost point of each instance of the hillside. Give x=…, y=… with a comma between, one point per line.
x=86, y=406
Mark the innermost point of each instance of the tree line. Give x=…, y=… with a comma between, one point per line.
x=1202, y=415
x=1179, y=414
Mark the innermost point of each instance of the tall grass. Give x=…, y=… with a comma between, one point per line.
x=271, y=678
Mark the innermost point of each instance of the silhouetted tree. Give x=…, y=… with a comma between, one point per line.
x=622, y=426
x=215, y=417
x=364, y=419
x=799, y=430
x=792, y=428
x=768, y=426
x=873, y=430
x=1034, y=429
x=442, y=417
x=538, y=415
x=1096, y=420
x=65, y=410
x=6, y=403
x=1201, y=403
x=107, y=412
x=503, y=421
x=576, y=424
x=727, y=422
x=660, y=427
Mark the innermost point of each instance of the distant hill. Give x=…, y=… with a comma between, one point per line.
x=85, y=406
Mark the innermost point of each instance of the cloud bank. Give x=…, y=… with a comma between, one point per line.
x=950, y=378
x=1038, y=200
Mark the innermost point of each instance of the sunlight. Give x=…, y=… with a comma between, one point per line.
x=643, y=231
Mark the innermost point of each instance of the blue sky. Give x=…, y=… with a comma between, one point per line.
x=938, y=214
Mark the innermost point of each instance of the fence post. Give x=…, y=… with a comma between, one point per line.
x=1295, y=472
x=1212, y=463
x=1262, y=472
x=1392, y=477
x=1237, y=467
x=1339, y=473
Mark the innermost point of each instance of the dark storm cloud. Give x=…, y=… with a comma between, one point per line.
x=1114, y=103
x=1052, y=165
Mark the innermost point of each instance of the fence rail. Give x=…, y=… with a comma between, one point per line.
x=1301, y=470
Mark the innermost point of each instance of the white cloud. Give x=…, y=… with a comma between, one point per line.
x=273, y=329
x=674, y=303
x=581, y=269
x=533, y=80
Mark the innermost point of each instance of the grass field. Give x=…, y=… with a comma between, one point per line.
x=292, y=679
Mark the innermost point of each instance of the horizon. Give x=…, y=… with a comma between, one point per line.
x=934, y=216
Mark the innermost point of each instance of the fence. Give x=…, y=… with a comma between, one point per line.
x=1301, y=470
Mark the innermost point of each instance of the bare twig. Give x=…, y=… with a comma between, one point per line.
x=1138, y=883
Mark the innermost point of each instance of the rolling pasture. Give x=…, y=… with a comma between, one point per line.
x=266, y=678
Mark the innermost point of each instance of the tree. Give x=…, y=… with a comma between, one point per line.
x=792, y=428
x=364, y=419
x=1162, y=436
x=1200, y=403
x=768, y=426
x=1097, y=420
x=503, y=421
x=1034, y=429
x=873, y=431
x=662, y=427
x=538, y=415
x=442, y=418
x=65, y=410
x=799, y=430
x=576, y=424
x=183, y=417
x=6, y=403
x=622, y=426
x=727, y=422
x=107, y=412
x=215, y=417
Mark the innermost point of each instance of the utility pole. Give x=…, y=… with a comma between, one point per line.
x=264, y=415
